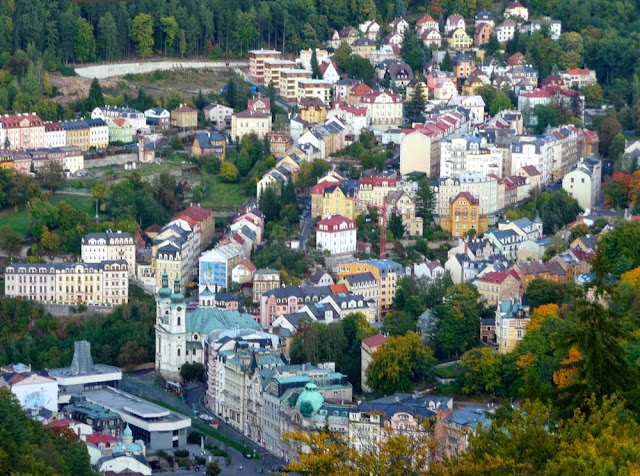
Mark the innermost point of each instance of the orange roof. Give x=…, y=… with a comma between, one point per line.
x=360, y=89
x=338, y=288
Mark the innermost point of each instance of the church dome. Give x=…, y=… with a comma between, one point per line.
x=164, y=291
x=310, y=400
x=127, y=434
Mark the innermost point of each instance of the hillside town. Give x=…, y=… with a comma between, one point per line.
x=401, y=236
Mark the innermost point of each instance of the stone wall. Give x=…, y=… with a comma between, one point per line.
x=105, y=71
x=108, y=160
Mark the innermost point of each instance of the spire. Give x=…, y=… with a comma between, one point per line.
x=82, y=362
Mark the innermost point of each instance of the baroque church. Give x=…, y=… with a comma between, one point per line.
x=180, y=333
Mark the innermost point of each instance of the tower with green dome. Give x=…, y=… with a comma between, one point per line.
x=310, y=400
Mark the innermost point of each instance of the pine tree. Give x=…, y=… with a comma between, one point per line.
x=416, y=104
x=315, y=67
x=230, y=94
x=96, y=98
x=400, y=10
x=447, y=63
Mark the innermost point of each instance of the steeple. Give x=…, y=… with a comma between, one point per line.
x=177, y=295
x=165, y=290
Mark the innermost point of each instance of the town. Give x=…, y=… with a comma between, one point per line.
x=408, y=246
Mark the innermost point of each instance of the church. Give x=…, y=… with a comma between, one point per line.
x=180, y=334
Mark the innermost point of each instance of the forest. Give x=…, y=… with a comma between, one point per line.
x=60, y=31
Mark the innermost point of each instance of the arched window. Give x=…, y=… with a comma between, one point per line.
x=178, y=323
x=178, y=352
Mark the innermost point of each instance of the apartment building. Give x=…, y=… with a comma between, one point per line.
x=54, y=135
x=498, y=286
x=264, y=280
x=482, y=187
x=104, y=283
x=464, y=215
x=384, y=108
x=175, y=251
x=386, y=272
x=257, y=59
x=289, y=79
x=337, y=235
x=511, y=324
x=136, y=118
x=250, y=122
x=272, y=70
x=22, y=131
x=109, y=246
x=314, y=88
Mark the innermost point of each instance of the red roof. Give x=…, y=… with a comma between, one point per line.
x=53, y=126
x=249, y=265
x=499, y=276
x=378, y=181
x=374, y=95
x=360, y=89
x=64, y=423
x=425, y=19
x=325, y=65
x=183, y=108
x=338, y=288
x=374, y=341
x=579, y=71
x=120, y=122
x=13, y=121
x=515, y=5
x=194, y=212
x=466, y=195
x=97, y=438
x=319, y=188
x=336, y=223
x=155, y=228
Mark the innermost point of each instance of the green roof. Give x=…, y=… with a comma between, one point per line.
x=207, y=320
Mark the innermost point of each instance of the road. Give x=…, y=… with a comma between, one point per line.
x=239, y=464
x=307, y=228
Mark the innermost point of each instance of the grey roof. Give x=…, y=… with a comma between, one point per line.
x=207, y=320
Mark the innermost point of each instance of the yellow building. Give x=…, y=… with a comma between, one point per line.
x=78, y=134
x=386, y=273
x=184, y=116
x=511, y=324
x=313, y=110
x=6, y=159
x=459, y=40
x=464, y=215
x=337, y=200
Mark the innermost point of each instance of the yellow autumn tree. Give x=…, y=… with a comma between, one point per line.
x=632, y=277
x=541, y=313
x=568, y=373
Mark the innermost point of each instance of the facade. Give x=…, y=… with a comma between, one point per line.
x=120, y=130
x=264, y=280
x=337, y=235
x=498, y=286
x=459, y=40
x=484, y=188
x=184, y=116
x=584, y=182
x=472, y=155
x=289, y=83
x=386, y=273
x=78, y=134
x=384, y=108
x=511, y=324
x=158, y=117
x=219, y=116
x=209, y=143
x=33, y=391
x=403, y=204
x=136, y=118
x=419, y=152
x=175, y=251
x=54, y=135
x=516, y=9
x=464, y=215
x=314, y=88
x=98, y=133
x=257, y=59
x=248, y=122
x=313, y=110
x=22, y=131
x=368, y=347
x=109, y=246
x=272, y=69
x=105, y=283
x=217, y=265
x=203, y=220
x=506, y=31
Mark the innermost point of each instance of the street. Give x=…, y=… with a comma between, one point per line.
x=239, y=464
x=307, y=228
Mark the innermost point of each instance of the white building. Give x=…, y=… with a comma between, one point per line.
x=136, y=118
x=54, y=135
x=249, y=122
x=469, y=154
x=356, y=118
x=384, y=108
x=33, y=391
x=583, y=182
x=336, y=235
x=98, y=247
x=304, y=58
x=532, y=151
x=219, y=116
x=482, y=187
x=475, y=105
x=506, y=31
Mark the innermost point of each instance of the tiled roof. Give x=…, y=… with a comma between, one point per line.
x=374, y=341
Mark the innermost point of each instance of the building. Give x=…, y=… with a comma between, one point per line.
x=136, y=118
x=368, y=347
x=464, y=215
x=313, y=110
x=54, y=135
x=426, y=23
x=105, y=283
x=506, y=31
x=279, y=142
x=482, y=187
x=472, y=155
x=511, y=324
x=84, y=375
x=289, y=79
x=259, y=104
x=337, y=235
x=248, y=122
x=35, y=391
x=403, y=204
x=253, y=219
x=370, y=29
x=364, y=47
x=219, y=116
x=22, y=131
x=217, y=264
x=386, y=272
x=109, y=246
x=454, y=22
x=384, y=108
x=158, y=117
x=459, y=40
x=209, y=143
x=184, y=116
x=516, y=9
x=498, y=286
x=257, y=59
x=584, y=182
x=264, y=280
x=180, y=333
x=120, y=131
x=420, y=152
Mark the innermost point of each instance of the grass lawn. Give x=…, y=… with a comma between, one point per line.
x=19, y=221
x=449, y=371
x=222, y=195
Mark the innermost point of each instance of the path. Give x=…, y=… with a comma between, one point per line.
x=105, y=71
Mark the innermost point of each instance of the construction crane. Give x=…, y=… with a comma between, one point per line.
x=383, y=222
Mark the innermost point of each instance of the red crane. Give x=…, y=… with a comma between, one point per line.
x=383, y=223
